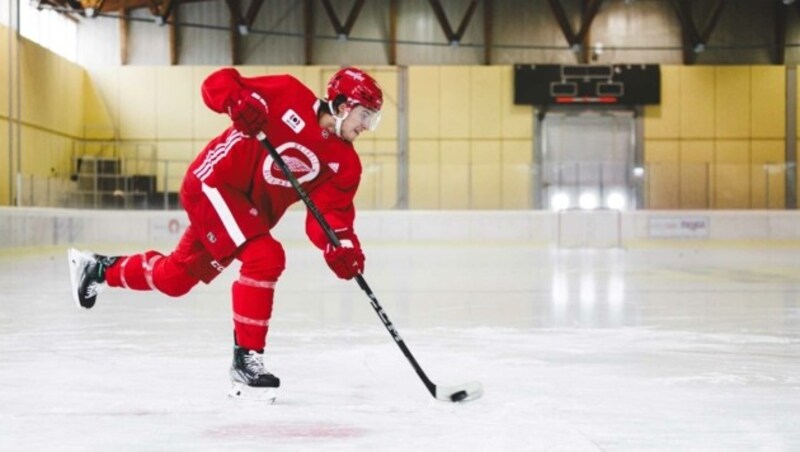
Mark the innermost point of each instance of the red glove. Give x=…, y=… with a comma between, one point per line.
x=346, y=261
x=248, y=111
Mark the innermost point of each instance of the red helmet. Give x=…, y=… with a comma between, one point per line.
x=357, y=87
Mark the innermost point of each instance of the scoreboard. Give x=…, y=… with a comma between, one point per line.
x=555, y=84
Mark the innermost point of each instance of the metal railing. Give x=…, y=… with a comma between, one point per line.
x=122, y=185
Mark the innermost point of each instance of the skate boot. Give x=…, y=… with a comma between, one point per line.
x=249, y=377
x=88, y=274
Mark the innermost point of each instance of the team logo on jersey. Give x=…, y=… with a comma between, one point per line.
x=325, y=134
x=295, y=165
x=334, y=166
x=301, y=161
x=291, y=119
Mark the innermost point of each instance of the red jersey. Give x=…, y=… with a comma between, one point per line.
x=326, y=166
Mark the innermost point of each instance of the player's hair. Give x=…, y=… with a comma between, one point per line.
x=325, y=107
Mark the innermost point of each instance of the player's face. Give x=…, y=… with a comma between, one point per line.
x=359, y=120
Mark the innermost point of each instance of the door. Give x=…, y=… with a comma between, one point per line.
x=587, y=160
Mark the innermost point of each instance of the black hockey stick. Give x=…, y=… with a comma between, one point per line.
x=465, y=392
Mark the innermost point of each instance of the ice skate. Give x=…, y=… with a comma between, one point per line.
x=87, y=273
x=249, y=377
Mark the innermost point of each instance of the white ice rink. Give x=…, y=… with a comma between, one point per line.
x=648, y=349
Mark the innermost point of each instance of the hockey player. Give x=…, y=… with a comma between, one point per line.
x=234, y=194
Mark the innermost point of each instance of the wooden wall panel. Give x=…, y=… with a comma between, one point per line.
x=423, y=172
x=696, y=160
x=732, y=110
x=768, y=174
x=485, y=174
x=455, y=102
x=697, y=117
x=485, y=108
x=517, y=120
x=454, y=174
x=663, y=120
x=137, y=102
x=173, y=100
x=423, y=102
x=732, y=175
x=768, y=101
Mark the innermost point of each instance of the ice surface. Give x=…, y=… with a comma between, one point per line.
x=577, y=351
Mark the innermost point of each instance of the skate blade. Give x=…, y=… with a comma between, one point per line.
x=244, y=392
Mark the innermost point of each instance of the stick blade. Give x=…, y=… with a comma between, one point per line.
x=461, y=393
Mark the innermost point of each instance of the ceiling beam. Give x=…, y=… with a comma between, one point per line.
x=453, y=37
x=691, y=38
x=234, y=7
x=235, y=10
x=76, y=5
x=781, y=10
x=694, y=41
x=308, y=23
x=351, y=18
x=712, y=21
x=154, y=8
x=442, y=18
x=393, y=32
x=684, y=12
x=462, y=27
x=92, y=7
x=592, y=7
x=165, y=11
x=488, y=23
x=114, y=6
x=343, y=31
x=174, y=36
x=563, y=22
x=123, y=36
x=578, y=42
x=252, y=12
x=590, y=10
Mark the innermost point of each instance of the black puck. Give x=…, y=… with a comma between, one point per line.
x=458, y=396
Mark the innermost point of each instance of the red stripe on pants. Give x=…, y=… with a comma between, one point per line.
x=252, y=309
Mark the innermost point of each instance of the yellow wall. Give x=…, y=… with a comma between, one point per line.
x=469, y=145
x=716, y=140
x=718, y=136
x=4, y=95
x=53, y=118
x=158, y=113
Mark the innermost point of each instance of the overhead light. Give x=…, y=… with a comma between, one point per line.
x=559, y=201
x=588, y=201
x=788, y=2
x=638, y=171
x=616, y=201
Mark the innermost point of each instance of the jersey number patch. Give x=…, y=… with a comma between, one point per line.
x=291, y=119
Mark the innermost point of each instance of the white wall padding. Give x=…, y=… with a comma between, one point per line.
x=41, y=227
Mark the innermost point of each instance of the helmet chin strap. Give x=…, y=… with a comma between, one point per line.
x=338, y=120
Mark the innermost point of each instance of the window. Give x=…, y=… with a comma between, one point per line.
x=49, y=29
